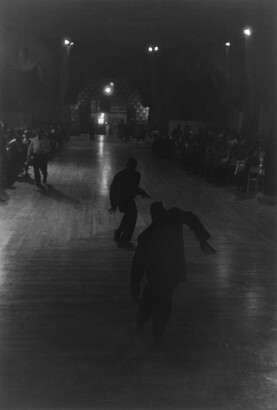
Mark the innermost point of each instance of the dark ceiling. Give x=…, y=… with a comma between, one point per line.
x=134, y=22
x=127, y=26
x=110, y=36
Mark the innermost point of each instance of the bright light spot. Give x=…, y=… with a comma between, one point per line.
x=150, y=49
x=101, y=118
x=227, y=44
x=107, y=90
x=156, y=48
x=247, y=32
x=67, y=42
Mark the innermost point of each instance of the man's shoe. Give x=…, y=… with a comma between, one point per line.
x=41, y=187
x=116, y=236
x=126, y=245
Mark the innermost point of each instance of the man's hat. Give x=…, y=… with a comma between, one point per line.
x=156, y=210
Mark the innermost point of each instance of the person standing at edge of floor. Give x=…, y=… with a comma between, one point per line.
x=38, y=152
x=160, y=255
x=123, y=191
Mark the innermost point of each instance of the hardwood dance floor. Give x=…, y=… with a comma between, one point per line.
x=66, y=319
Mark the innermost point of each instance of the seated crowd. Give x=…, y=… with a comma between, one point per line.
x=15, y=144
x=222, y=157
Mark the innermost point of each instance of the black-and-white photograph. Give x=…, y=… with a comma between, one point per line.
x=138, y=205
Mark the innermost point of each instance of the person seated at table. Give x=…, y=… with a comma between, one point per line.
x=15, y=149
x=252, y=160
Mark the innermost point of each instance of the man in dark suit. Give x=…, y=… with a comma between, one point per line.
x=123, y=191
x=160, y=255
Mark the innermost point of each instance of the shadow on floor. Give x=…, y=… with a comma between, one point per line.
x=59, y=196
x=4, y=197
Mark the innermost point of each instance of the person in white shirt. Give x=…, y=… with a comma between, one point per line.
x=38, y=151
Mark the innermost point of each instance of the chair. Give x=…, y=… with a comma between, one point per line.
x=253, y=178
